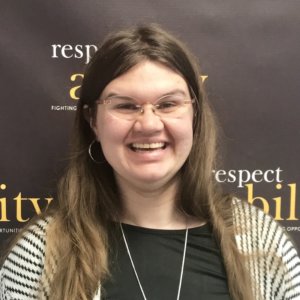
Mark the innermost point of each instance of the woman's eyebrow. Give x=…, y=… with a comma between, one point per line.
x=175, y=92
x=110, y=95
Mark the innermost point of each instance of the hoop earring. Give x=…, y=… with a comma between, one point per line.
x=91, y=155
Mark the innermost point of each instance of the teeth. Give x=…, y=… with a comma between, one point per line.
x=148, y=146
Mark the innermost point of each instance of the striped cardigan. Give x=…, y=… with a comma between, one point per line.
x=275, y=271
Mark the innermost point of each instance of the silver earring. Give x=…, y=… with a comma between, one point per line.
x=91, y=155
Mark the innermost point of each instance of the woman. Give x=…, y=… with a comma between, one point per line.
x=139, y=214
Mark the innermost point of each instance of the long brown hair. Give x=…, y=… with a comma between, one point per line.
x=88, y=199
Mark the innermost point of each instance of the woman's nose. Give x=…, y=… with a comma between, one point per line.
x=148, y=121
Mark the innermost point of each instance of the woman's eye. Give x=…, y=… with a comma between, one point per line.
x=165, y=105
x=125, y=106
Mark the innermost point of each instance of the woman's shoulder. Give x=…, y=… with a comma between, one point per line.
x=257, y=231
x=274, y=255
x=244, y=213
x=253, y=223
x=32, y=239
x=251, y=215
x=23, y=266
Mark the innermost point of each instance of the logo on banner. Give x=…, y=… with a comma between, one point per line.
x=249, y=180
x=83, y=52
x=69, y=51
x=18, y=202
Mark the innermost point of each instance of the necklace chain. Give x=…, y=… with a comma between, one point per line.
x=135, y=271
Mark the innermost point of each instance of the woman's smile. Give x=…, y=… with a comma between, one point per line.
x=147, y=146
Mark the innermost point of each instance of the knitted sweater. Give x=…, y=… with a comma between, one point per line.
x=275, y=275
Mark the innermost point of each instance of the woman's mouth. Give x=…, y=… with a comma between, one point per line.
x=137, y=147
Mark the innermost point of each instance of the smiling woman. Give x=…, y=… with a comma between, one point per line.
x=140, y=215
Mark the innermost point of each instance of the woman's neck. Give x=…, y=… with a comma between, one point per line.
x=153, y=207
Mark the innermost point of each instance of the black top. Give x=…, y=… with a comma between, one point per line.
x=157, y=255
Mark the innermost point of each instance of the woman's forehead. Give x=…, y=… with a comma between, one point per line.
x=147, y=77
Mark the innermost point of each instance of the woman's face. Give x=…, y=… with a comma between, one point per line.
x=147, y=149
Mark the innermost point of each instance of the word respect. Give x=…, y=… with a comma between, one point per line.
x=73, y=51
x=244, y=176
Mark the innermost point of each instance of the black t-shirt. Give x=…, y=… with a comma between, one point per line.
x=157, y=255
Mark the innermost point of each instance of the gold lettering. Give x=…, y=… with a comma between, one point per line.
x=35, y=204
x=203, y=77
x=292, y=216
x=278, y=204
x=3, y=206
x=76, y=88
x=251, y=199
x=19, y=200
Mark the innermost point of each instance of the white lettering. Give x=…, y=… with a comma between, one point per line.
x=73, y=51
x=244, y=176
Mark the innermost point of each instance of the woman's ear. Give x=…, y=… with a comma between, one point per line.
x=86, y=112
x=90, y=118
x=93, y=126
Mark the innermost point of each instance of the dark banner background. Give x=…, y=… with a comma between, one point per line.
x=250, y=51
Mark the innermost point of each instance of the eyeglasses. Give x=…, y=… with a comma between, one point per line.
x=124, y=107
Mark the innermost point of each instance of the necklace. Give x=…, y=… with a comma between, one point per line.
x=134, y=269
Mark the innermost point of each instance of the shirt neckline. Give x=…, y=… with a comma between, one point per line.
x=197, y=229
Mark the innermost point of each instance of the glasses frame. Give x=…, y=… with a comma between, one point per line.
x=140, y=107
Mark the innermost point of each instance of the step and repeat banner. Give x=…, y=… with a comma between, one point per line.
x=249, y=52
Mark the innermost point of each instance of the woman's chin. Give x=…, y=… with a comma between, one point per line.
x=150, y=178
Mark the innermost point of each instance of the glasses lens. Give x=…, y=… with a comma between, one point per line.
x=122, y=107
x=171, y=106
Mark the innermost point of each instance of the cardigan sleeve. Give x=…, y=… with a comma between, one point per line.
x=274, y=264
x=22, y=269
x=291, y=263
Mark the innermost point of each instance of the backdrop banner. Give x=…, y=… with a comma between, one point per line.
x=249, y=52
